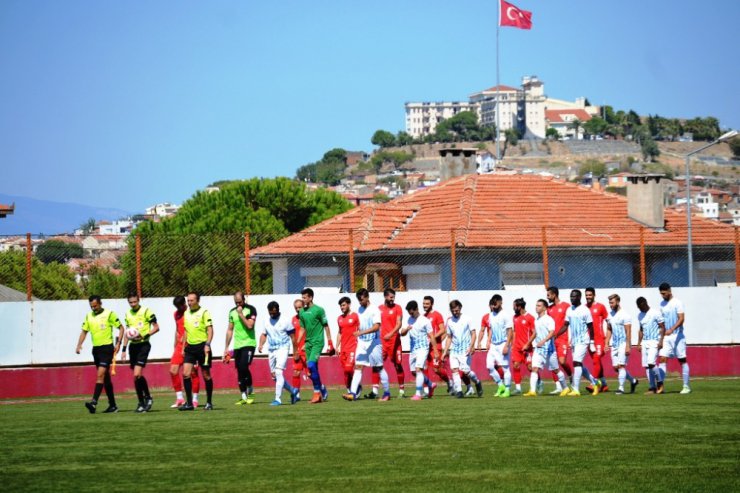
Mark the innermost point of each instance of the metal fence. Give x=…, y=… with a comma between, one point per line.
x=164, y=265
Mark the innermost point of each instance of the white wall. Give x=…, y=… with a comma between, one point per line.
x=45, y=332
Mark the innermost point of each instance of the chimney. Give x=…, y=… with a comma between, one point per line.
x=457, y=162
x=645, y=200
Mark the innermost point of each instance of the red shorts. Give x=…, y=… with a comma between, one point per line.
x=562, y=349
x=393, y=350
x=300, y=365
x=518, y=355
x=177, y=357
x=347, y=360
x=433, y=362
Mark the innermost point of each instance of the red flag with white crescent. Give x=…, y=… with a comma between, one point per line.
x=511, y=15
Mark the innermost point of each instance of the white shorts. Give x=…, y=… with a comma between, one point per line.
x=277, y=359
x=674, y=346
x=369, y=353
x=619, y=357
x=495, y=356
x=649, y=353
x=541, y=361
x=579, y=352
x=418, y=359
x=460, y=362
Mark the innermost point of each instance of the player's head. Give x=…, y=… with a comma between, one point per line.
x=455, y=308
x=363, y=296
x=642, y=304
x=665, y=291
x=614, y=300
x=575, y=297
x=307, y=296
x=344, y=304
x=180, y=303
x=193, y=300
x=96, y=304
x=413, y=308
x=495, y=302
x=590, y=294
x=389, y=294
x=239, y=298
x=541, y=307
x=273, y=308
x=297, y=305
x=520, y=306
x=428, y=304
x=133, y=300
x=553, y=293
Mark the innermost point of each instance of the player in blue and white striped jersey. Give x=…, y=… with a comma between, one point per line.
x=460, y=344
x=420, y=332
x=674, y=342
x=369, y=352
x=652, y=330
x=579, y=324
x=279, y=333
x=499, y=328
x=619, y=338
x=543, y=344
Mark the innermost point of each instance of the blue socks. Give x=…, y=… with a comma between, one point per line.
x=313, y=369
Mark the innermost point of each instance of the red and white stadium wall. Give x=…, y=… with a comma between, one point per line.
x=37, y=357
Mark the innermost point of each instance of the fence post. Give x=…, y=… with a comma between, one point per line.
x=737, y=256
x=643, y=271
x=351, y=262
x=29, y=276
x=138, y=264
x=247, y=266
x=453, y=260
x=545, y=258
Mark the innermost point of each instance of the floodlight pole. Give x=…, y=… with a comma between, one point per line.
x=722, y=138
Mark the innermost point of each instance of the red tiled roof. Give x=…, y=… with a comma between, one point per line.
x=6, y=209
x=558, y=116
x=501, y=88
x=495, y=210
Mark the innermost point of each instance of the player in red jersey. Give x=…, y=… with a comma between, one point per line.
x=435, y=364
x=300, y=339
x=599, y=314
x=390, y=323
x=521, y=352
x=348, y=323
x=557, y=310
x=178, y=358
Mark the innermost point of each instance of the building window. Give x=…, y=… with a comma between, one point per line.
x=714, y=273
x=322, y=277
x=521, y=275
x=422, y=276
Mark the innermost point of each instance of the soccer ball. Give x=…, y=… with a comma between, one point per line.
x=132, y=333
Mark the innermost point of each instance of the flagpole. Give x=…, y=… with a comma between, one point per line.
x=498, y=100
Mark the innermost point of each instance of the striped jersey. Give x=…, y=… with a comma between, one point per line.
x=278, y=332
x=369, y=316
x=420, y=333
x=617, y=320
x=578, y=318
x=670, y=310
x=500, y=324
x=460, y=332
x=543, y=325
x=649, y=321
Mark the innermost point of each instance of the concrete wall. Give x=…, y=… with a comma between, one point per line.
x=45, y=332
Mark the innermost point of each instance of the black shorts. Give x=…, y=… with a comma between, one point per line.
x=196, y=353
x=103, y=355
x=243, y=356
x=138, y=354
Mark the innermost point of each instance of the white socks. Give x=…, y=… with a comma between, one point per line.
x=384, y=380
x=685, y=374
x=356, y=379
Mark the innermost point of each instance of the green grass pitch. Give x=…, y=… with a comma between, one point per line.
x=606, y=443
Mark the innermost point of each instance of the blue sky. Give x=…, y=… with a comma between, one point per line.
x=126, y=104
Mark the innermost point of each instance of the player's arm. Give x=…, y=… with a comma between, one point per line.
x=628, y=336
x=639, y=337
x=229, y=335
x=263, y=338
x=405, y=330
x=564, y=328
x=435, y=351
x=590, y=326
x=248, y=322
x=80, y=340
x=448, y=342
x=374, y=328
x=209, y=338
x=327, y=331
x=530, y=340
x=661, y=326
x=471, y=349
x=441, y=332
x=154, y=327
x=608, y=341
x=679, y=322
x=484, y=329
x=509, y=340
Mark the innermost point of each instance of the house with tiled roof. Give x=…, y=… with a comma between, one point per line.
x=5, y=210
x=562, y=121
x=480, y=232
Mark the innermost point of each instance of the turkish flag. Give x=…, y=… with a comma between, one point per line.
x=511, y=15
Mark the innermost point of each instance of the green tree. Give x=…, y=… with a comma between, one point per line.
x=383, y=138
x=595, y=126
x=703, y=128
x=594, y=166
x=649, y=149
x=404, y=139
x=512, y=136
x=551, y=133
x=735, y=147
x=52, y=281
x=88, y=226
x=575, y=125
x=58, y=251
x=103, y=282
